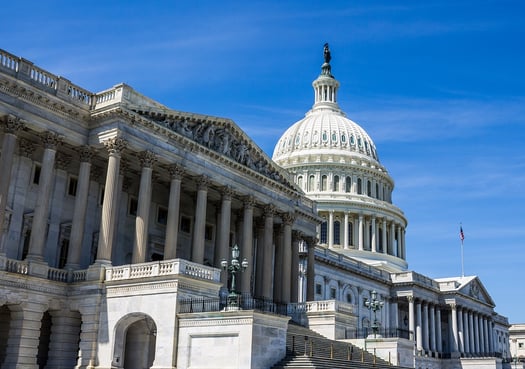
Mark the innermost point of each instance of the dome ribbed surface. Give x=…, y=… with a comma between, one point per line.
x=324, y=130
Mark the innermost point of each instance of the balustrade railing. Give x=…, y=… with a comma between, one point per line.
x=160, y=268
x=242, y=301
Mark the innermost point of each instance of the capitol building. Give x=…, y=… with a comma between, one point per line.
x=137, y=236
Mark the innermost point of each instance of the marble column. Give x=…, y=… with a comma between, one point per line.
x=115, y=146
x=466, y=335
x=471, y=333
x=425, y=330
x=45, y=186
x=278, y=263
x=79, y=213
x=224, y=232
x=294, y=275
x=432, y=313
x=310, y=269
x=172, y=223
x=419, y=333
x=360, y=232
x=373, y=241
x=287, y=266
x=140, y=246
x=461, y=336
x=476, y=333
x=438, y=330
x=197, y=250
x=259, y=269
x=12, y=126
x=411, y=322
x=384, y=240
x=454, y=320
x=247, y=244
x=392, y=237
x=330, y=229
x=345, y=230
x=268, y=251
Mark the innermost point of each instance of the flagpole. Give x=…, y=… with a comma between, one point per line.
x=462, y=265
x=462, y=238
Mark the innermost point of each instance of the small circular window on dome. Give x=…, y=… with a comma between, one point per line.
x=352, y=140
x=359, y=142
x=334, y=136
x=343, y=138
x=297, y=140
x=316, y=137
x=325, y=136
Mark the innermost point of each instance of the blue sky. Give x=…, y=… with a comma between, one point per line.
x=438, y=85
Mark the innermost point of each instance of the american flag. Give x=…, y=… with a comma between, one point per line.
x=461, y=234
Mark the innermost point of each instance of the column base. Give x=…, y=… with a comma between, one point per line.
x=38, y=268
x=97, y=271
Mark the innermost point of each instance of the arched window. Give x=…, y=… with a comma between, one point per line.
x=377, y=191
x=324, y=229
x=311, y=183
x=369, y=188
x=359, y=186
x=337, y=232
x=348, y=184
x=379, y=240
x=300, y=182
x=336, y=183
x=350, y=233
x=324, y=181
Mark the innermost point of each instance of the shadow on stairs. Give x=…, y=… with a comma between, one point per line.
x=306, y=349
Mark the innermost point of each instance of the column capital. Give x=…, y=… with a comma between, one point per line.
x=203, y=182
x=269, y=210
x=410, y=298
x=51, y=140
x=115, y=145
x=288, y=218
x=249, y=201
x=176, y=171
x=147, y=158
x=227, y=193
x=13, y=124
x=297, y=235
x=85, y=153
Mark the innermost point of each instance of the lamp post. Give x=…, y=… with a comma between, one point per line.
x=233, y=268
x=374, y=305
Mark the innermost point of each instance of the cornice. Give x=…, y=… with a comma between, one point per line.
x=42, y=99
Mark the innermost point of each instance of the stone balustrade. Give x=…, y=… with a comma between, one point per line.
x=162, y=268
x=319, y=306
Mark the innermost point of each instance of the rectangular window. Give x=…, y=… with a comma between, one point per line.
x=332, y=293
x=208, y=233
x=185, y=224
x=36, y=173
x=318, y=289
x=101, y=196
x=133, y=204
x=162, y=215
x=72, y=186
x=520, y=344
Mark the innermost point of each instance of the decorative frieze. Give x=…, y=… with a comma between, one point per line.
x=25, y=147
x=62, y=161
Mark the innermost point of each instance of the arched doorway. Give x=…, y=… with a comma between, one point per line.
x=135, y=341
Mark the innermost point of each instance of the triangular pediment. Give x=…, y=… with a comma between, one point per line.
x=220, y=135
x=469, y=286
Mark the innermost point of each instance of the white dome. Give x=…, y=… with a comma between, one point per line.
x=324, y=131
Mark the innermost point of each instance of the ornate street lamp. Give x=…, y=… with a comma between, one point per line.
x=375, y=305
x=234, y=267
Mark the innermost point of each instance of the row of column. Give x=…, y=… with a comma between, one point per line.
x=469, y=332
x=287, y=288
x=392, y=234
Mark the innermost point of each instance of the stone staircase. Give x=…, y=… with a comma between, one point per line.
x=323, y=353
